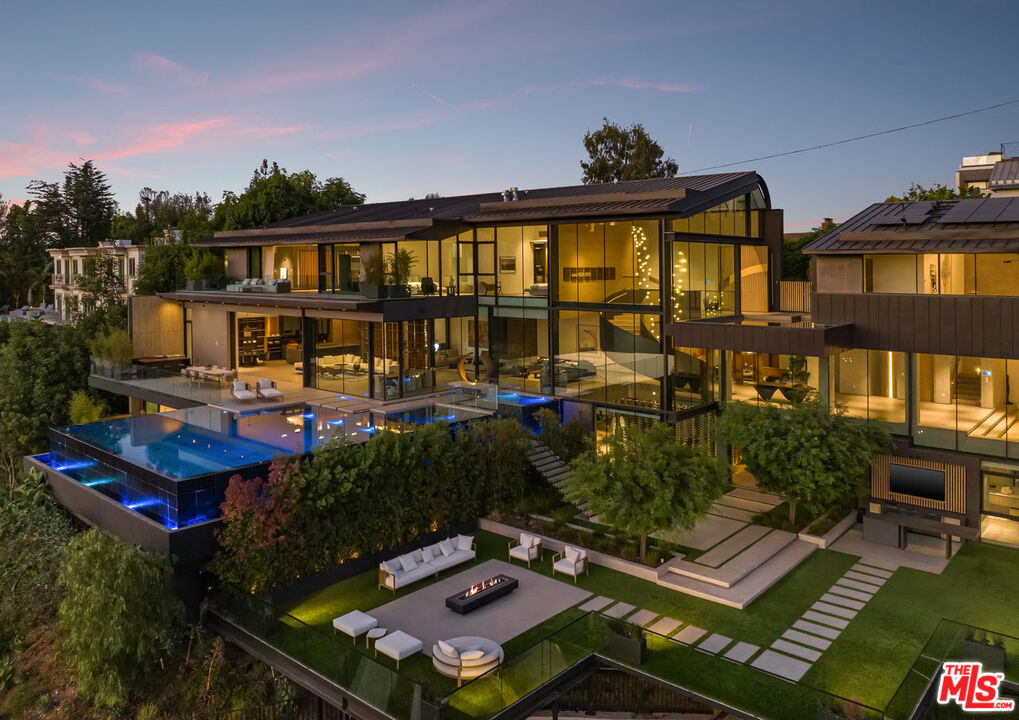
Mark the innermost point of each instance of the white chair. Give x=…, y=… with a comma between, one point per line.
x=573, y=562
x=266, y=388
x=241, y=392
x=527, y=549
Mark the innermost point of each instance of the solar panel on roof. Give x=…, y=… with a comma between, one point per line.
x=987, y=212
x=961, y=211
x=1011, y=212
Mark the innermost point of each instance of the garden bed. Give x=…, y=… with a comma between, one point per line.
x=823, y=532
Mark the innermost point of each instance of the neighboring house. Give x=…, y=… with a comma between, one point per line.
x=68, y=264
x=930, y=294
x=995, y=173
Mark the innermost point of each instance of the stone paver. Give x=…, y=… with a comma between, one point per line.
x=889, y=558
x=833, y=610
x=825, y=619
x=733, y=546
x=620, y=610
x=665, y=626
x=758, y=495
x=860, y=577
x=641, y=617
x=741, y=652
x=732, y=513
x=781, y=665
x=850, y=593
x=596, y=604
x=822, y=630
x=715, y=644
x=708, y=532
x=689, y=635
x=871, y=570
x=797, y=650
x=843, y=601
x=805, y=639
x=854, y=585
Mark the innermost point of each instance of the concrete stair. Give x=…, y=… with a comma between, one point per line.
x=546, y=464
x=750, y=586
x=733, y=571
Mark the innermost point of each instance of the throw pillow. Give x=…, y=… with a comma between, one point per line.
x=391, y=566
x=572, y=554
x=448, y=650
x=464, y=542
x=472, y=655
x=407, y=561
x=527, y=540
x=446, y=547
x=426, y=553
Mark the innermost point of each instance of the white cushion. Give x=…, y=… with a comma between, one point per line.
x=472, y=654
x=464, y=542
x=240, y=385
x=523, y=553
x=527, y=540
x=572, y=554
x=565, y=566
x=407, y=562
x=426, y=554
x=355, y=623
x=391, y=566
x=448, y=650
x=446, y=547
x=398, y=645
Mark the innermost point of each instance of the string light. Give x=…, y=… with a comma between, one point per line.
x=645, y=279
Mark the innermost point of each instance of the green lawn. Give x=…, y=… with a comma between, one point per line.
x=867, y=662
x=869, y=659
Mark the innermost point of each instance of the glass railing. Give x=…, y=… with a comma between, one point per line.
x=716, y=680
x=952, y=641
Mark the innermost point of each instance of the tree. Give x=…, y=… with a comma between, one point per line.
x=616, y=153
x=85, y=410
x=796, y=265
x=566, y=440
x=77, y=212
x=158, y=211
x=274, y=194
x=806, y=453
x=645, y=481
x=118, y=616
x=506, y=444
x=917, y=192
x=162, y=268
x=24, y=264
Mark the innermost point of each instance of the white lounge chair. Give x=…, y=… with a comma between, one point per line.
x=266, y=389
x=241, y=392
x=527, y=549
x=573, y=562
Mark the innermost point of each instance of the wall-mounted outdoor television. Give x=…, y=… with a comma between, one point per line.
x=916, y=481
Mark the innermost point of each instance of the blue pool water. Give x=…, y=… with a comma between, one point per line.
x=522, y=400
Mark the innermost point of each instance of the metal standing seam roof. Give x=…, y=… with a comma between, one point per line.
x=1005, y=175
x=387, y=234
x=693, y=191
x=971, y=225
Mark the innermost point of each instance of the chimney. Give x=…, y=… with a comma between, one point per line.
x=513, y=190
x=505, y=195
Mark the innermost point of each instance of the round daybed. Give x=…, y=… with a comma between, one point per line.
x=465, y=658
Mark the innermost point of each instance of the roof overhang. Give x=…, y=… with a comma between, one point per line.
x=367, y=232
x=337, y=306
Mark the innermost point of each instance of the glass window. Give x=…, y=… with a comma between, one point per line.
x=704, y=280
x=416, y=349
x=298, y=264
x=519, y=342
x=871, y=384
x=694, y=374
x=568, y=287
x=773, y=378
x=997, y=274
x=890, y=273
x=342, y=360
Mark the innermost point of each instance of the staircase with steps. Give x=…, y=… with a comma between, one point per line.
x=967, y=389
x=546, y=464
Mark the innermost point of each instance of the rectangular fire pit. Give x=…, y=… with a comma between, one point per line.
x=481, y=593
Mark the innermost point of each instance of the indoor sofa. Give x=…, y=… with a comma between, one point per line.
x=425, y=562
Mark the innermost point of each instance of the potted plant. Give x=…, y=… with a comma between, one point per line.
x=112, y=354
x=204, y=270
x=399, y=273
x=374, y=275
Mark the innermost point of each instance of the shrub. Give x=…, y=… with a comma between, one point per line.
x=204, y=265
x=118, y=618
x=568, y=440
x=116, y=346
x=86, y=410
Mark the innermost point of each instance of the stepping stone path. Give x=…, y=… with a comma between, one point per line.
x=620, y=610
x=596, y=604
x=665, y=626
x=642, y=617
x=741, y=652
x=689, y=635
x=715, y=644
x=803, y=644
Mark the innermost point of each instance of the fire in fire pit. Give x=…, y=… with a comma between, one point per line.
x=481, y=593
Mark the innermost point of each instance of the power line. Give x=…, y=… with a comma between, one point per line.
x=854, y=139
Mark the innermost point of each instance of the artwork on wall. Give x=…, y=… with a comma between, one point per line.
x=507, y=264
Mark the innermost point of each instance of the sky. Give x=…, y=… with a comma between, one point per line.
x=406, y=98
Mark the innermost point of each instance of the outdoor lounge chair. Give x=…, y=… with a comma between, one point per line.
x=573, y=562
x=267, y=390
x=528, y=549
x=241, y=392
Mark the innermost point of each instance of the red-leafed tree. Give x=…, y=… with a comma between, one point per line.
x=260, y=517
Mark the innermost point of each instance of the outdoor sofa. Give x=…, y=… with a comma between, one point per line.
x=425, y=562
x=465, y=658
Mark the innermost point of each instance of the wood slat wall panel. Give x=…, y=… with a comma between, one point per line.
x=955, y=483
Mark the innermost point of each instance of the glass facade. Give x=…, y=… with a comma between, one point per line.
x=731, y=219
x=773, y=378
x=942, y=274
x=611, y=262
x=871, y=384
x=695, y=376
x=703, y=280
